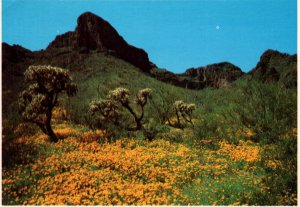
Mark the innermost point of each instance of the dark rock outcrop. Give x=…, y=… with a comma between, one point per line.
x=66, y=40
x=214, y=75
x=95, y=34
x=15, y=53
x=275, y=66
x=14, y=59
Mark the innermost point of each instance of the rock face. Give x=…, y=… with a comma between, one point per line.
x=275, y=66
x=214, y=75
x=15, y=53
x=94, y=33
x=14, y=59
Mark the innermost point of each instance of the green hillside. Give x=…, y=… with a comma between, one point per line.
x=104, y=73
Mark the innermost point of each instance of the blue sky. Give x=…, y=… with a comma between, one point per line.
x=176, y=34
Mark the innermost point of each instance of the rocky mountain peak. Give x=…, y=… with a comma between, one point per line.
x=93, y=33
x=275, y=66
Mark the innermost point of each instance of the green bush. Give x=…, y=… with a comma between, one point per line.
x=216, y=117
x=282, y=180
x=153, y=128
x=162, y=103
x=269, y=110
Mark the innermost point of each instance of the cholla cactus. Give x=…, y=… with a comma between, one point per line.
x=51, y=79
x=142, y=96
x=109, y=107
x=38, y=100
x=190, y=108
x=179, y=105
x=34, y=110
x=119, y=95
x=184, y=110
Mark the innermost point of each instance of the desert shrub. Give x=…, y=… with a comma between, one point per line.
x=209, y=127
x=281, y=176
x=217, y=124
x=153, y=128
x=162, y=103
x=37, y=102
x=269, y=110
x=184, y=111
x=174, y=135
x=10, y=121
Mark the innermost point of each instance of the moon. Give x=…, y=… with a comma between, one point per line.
x=217, y=27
